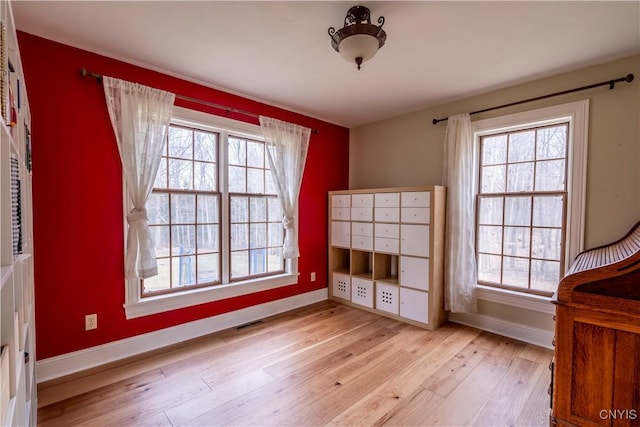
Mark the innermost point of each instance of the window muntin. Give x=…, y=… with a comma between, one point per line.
x=522, y=199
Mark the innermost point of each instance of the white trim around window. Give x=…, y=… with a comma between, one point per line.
x=577, y=114
x=135, y=306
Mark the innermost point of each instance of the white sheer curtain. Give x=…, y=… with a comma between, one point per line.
x=459, y=176
x=140, y=117
x=287, y=146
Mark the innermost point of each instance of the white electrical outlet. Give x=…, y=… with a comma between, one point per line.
x=313, y=276
x=90, y=322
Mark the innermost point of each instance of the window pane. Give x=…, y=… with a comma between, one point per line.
x=237, y=179
x=520, y=177
x=550, y=175
x=205, y=146
x=276, y=234
x=547, y=243
x=552, y=143
x=493, y=179
x=490, y=239
x=545, y=275
x=208, y=211
x=183, y=239
x=160, y=282
x=275, y=261
x=183, y=208
x=205, y=176
x=258, y=209
x=180, y=142
x=489, y=267
x=517, y=211
x=208, y=240
x=161, y=176
x=547, y=211
x=208, y=268
x=237, y=151
x=270, y=185
x=180, y=174
x=275, y=209
x=255, y=154
x=158, y=208
x=160, y=236
x=494, y=149
x=239, y=236
x=184, y=270
x=521, y=146
x=257, y=261
x=239, y=209
x=255, y=181
x=490, y=210
x=258, y=237
x=517, y=241
x=516, y=272
x=239, y=264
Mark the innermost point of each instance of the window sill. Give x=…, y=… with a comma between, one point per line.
x=515, y=299
x=163, y=303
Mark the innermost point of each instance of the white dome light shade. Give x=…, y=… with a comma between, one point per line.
x=359, y=39
x=358, y=46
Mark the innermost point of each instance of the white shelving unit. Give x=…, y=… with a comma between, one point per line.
x=386, y=252
x=18, y=398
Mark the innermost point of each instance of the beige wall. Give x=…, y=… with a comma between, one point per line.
x=407, y=150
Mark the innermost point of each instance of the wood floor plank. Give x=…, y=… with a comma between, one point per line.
x=325, y=364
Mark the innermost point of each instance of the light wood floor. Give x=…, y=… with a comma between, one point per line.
x=327, y=365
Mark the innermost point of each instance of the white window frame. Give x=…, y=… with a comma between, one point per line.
x=136, y=306
x=577, y=115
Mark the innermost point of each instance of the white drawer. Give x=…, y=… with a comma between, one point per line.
x=340, y=234
x=362, y=242
x=387, y=200
x=390, y=231
x=362, y=291
x=340, y=200
x=343, y=214
x=390, y=246
x=362, y=200
x=341, y=286
x=362, y=229
x=387, y=298
x=416, y=215
x=416, y=199
x=362, y=214
x=387, y=214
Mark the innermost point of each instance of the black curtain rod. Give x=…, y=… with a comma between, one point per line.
x=85, y=73
x=612, y=83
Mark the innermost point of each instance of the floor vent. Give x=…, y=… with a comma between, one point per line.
x=246, y=325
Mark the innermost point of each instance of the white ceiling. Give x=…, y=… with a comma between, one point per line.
x=280, y=52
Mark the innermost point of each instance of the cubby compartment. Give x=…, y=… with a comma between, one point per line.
x=340, y=260
x=362, y=264
x=385, y=267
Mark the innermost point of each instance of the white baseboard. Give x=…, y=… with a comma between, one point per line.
x=518, y=331
x=59, y=366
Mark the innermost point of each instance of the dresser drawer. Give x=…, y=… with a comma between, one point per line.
x=387, y=214
x=362, y=200
x=417, y=199
x=416, y=215
x=343, y=214
x=362, y=229
x=362, y=214
x=387, y=298
x=390, y=231
x=341, y=286
x=341, y=201
x=389, y=246
x=362, y=291
x=364, y=243
x=387, y=200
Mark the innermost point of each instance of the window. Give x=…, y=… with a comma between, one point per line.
x=530, y=197
x=214, y=216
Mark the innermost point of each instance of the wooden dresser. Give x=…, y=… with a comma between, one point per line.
x=596, y=367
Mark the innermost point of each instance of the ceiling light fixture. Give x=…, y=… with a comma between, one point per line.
x=359, y=39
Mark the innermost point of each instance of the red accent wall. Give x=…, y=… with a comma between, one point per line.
x=77, y=197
